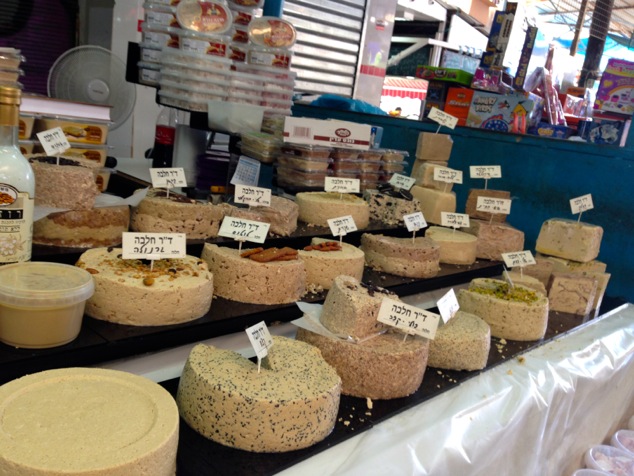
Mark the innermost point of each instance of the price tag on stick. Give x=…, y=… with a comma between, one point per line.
x=342, y=185
x=256, y=196
x=53, y=141
x=260, y=339
x=342, y=226
x=581, y=204
x=518, y=259
x=244, y=230
x=402, y=181
x=408, y=318
x=448, y=305
x=485, y=172
x=153, y=246
x=442, y=118
x=168, y=177
x=454, y=220
x=494, y=205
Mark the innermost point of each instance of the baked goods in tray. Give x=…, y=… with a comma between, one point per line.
x=87, y=422
x=514, y=313
x=243, y=279
x=462, y=343
x=159, y=213
x=326, y=259
x=130, y=291
x=383, y=367
x=291, y=403
x=411, y=258
x=93, y=228
x=316, y=208
x=569, y=239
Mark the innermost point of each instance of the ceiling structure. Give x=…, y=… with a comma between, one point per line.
x=567, y=12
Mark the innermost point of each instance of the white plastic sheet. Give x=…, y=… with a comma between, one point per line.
x=532, y=416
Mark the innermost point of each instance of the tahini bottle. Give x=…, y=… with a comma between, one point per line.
x=17, y=184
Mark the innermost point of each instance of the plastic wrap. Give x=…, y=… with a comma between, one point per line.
x=535, y=415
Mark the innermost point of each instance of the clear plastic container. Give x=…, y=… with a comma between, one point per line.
x=42, y=303
x=272, y=32
x=243, y=15
x=160, y=14
x=237, y=52
x=266, y=71
x=160, y=36
x=307, y=150
x=149, y=73
x=182, y=79
x=247, y=3
x=204, y=16
x=393, y=167
x=270, y=57
x=150, y=53
x=239, y=34
x=75, y=129
x=346, y=165
x=624, y=440
x=211, y=92
x=345, y=154
x=301, y=177
x=262, y=141
x=304, y=164
x=372, y=154
x=610, y=459
x=263, y=155
x=176, y=58
x=183, y=100
x=204, y=44
x=390, y=155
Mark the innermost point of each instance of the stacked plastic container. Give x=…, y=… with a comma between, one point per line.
x=197, y=51
x=616, y=459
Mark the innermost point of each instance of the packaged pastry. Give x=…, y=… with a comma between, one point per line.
x=393, y=167
x=25, y=123
x=270, y=57
x=272, y=32
x=204, y=43
x=307, y=150
x=160, y=36
x=243, y=15
x=160, y=14
x=75, y=129
x=204, y=16
x=372, y=154
x=390, y=155
x=149, y=73
x=344, y=154
x=303, y=164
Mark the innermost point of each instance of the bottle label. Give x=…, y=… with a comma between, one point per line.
x=16, y=224
x=165, y=135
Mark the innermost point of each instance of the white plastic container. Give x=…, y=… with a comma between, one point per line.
x=150, y=53
x=624, y=439
x=270, y=57
x=160, y=14
x=149, y=73
x=203, y=43
x=272, y=32
x=243, y=15
x=610, y=459
x=160, y=36
x=171, y=57
x=204, y=16
x=42, y=304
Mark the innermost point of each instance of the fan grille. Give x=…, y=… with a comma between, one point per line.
x=93, y=75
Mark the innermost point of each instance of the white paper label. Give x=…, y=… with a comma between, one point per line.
x=168, y=177
x=494, y=205
x=454, y=220
x=414, y=221
x=342, y=225
x=408, y=318
x=581, y=204
x=442, y=118
x=342, y=185
x=485, y=171
x=54, y=141
x=448, y=305
x=247, y=172
x=244, y=230
x=256, y=196
x=445, y=174
x=518, y=258
x=260, y=339
x=153, y=245
x=402, y=181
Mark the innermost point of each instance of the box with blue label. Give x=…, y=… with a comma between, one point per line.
x=508, y=113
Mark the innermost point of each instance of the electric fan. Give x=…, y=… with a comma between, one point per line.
x=93, y=75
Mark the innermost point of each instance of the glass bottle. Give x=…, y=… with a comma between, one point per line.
x=17, y=184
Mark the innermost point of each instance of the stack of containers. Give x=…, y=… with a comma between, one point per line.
x=10, y=72
x=198, y=70
x=302, y=167
x=372, y=167
x=197, y=51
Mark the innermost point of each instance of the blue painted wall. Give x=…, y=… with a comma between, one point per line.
x=542, y=175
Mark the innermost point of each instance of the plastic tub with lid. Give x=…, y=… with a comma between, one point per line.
x=272, y=32
x=149, y=73
x=304, y=164
x=160, y=36
x=204, y=43
x=391, y=155
x=160, y=14
x=204, y=16
x=270, y=57
x=307, y=150
x=624, y=439
x=239, y=34
x=171, y=57
x=177, y=79
x=610, y=459
x=150, y=53
x=246, y=3
x=266, y=71
x=237, y=52
x=42, y=304
x=243, y=15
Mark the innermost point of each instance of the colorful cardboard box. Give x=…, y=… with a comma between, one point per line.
x=434, y=73
x=458, y=102
x=508, y=113
x=616, y=89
